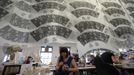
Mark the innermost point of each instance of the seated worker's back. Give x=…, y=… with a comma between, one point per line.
x=104, y=64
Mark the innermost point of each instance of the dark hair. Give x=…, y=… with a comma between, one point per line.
x=106, y=57
x=63, y=49
x=29, y=57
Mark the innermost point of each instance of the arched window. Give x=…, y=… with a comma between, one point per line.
x=46, y=54
x=94, y=52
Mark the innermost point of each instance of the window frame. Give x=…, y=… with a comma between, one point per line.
x=48, y=52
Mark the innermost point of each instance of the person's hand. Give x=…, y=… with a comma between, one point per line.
x=66, y=67
x=60, y=63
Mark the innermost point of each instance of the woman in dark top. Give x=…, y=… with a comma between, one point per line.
x=65, y=64
x=104, y=64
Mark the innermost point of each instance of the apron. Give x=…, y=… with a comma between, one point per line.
x=68, y=63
